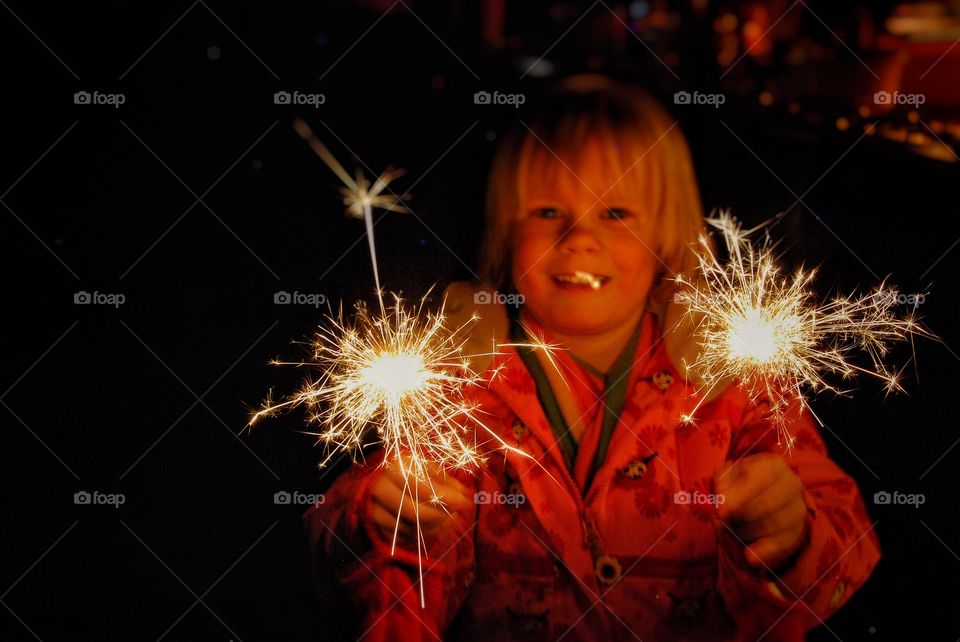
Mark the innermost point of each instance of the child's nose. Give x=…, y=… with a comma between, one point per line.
x=579, y=238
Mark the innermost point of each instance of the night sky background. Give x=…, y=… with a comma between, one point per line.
x=197, y=202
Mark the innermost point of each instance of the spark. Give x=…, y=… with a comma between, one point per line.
x=358, y=195
x=767, y=330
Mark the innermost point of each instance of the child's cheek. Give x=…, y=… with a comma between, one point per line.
x=528, y=256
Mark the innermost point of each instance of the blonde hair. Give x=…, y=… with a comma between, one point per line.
x=642, y=145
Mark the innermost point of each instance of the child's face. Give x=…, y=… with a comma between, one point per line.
x=563, y=230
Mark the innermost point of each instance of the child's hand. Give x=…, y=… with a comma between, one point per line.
x=763, y=504
x=388, y=494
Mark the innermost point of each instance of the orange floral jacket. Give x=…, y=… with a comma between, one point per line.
x=641, y=556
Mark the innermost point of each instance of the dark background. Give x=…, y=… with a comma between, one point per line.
x=148, y=399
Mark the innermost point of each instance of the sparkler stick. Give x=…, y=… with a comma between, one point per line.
x=768, y=331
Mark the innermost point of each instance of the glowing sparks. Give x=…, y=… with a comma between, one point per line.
x=357, y=193
x=767, y=331
x=402, y=376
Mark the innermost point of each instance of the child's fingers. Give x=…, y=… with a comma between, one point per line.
x=770, y=504
x=760, y=552
x=387, y=521
x=452, y=482
x=744, y=481
x=768, y=551
x=771, y=526
x=394, y=498
x=416, y=502
x=725, y=474
x=435, y=480
x=456, y=498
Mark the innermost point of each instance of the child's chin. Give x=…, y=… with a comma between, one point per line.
x=582, y=324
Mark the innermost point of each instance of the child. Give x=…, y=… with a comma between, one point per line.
x=624, y=523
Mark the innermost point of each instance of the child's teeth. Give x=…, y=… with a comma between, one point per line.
x=583, y=278
x=586, y=277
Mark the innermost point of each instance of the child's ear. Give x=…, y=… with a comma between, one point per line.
x=468, y=306
x=660, y=294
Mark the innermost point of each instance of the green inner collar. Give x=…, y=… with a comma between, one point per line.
x=614, y=397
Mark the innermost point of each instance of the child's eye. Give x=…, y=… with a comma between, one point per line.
x=616, y=213
x=547, y=212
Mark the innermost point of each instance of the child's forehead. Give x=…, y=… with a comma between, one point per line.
x=591, y=168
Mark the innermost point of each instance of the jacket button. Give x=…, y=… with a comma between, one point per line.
x=663, y=379
x=520, y=430
x=635, y=469
x=608, y=570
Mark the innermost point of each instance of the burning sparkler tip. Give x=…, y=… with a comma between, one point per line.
x=770, y=334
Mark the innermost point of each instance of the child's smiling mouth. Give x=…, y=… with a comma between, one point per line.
x=580, y=279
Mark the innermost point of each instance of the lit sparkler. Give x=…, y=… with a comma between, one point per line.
x=768, y=331
x=402, y=375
